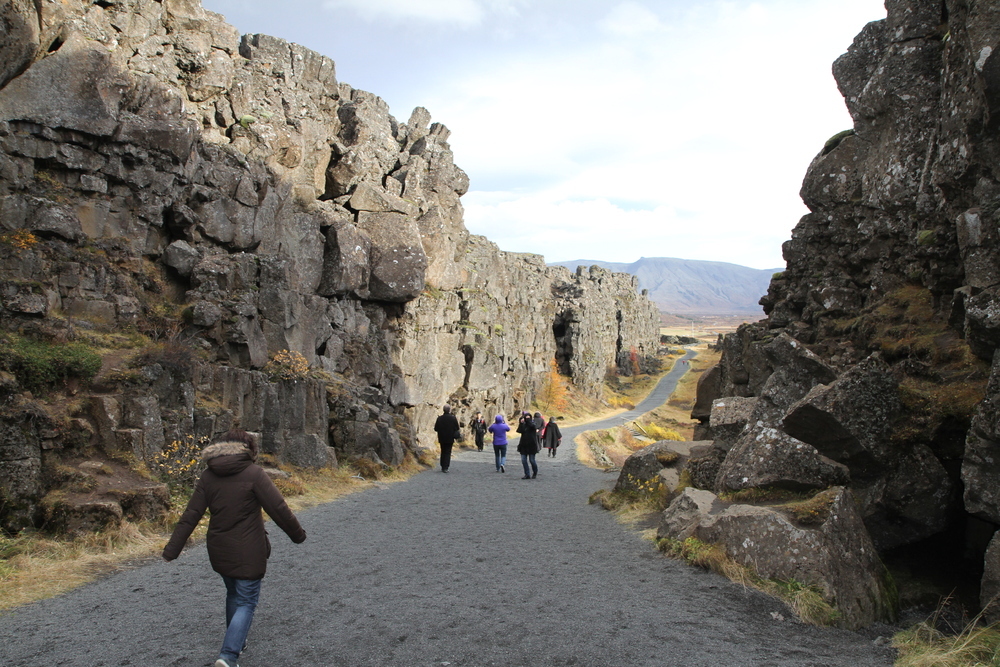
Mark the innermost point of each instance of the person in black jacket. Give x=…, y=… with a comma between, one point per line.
x=446, y=427
x=234, y=489
x=478, y=428
x=527, y=446
x=539, y=423
x=552, y=436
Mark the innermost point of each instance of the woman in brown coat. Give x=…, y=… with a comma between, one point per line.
x=235, y=490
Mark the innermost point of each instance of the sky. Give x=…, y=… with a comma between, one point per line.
x=604, y=129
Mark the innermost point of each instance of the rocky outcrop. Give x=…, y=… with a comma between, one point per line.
x=892, y=288
x=830, y=550
x=161, y=172
x=658, y=469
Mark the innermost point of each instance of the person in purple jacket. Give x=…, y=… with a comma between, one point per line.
x=499, y=429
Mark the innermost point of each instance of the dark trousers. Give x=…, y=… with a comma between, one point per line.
x=525, y=458
x=479, y=440
x=446, y=455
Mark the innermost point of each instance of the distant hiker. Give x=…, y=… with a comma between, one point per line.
x=527, y=447
x=499, y=428
x=478, y=428
x=446, y=427
x=234, y=490
x=552, y=436
x=539, y=422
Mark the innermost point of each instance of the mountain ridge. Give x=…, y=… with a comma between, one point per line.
x=692, y=286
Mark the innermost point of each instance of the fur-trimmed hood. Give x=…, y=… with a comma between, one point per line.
x=227, y=458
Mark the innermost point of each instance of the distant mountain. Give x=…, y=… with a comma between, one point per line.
x=694, y=287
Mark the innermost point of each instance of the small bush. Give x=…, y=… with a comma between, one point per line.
x=39, y=365
x=18, y=240
x=667, y=459
x=287, y=365
x=180, y=464
x=657, y=432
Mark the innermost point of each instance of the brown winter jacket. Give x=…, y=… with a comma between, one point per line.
x=234, y=490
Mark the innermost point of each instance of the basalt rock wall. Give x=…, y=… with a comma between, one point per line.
x=871, y=368
x=229, y=194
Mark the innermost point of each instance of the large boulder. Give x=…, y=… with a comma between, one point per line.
x=729, y=418
x=682, y=517
x=767, y=457
x=831, y=550
x=912, y=500
x=655, y=466
x=850, y=419
x=398, y=262
x=707, y=391
x=821, y=542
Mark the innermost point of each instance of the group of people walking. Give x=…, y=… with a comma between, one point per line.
x=535, y=432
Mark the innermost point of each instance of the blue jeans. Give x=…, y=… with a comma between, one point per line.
x=241, y=601
x=534, y=466
x=500, y=454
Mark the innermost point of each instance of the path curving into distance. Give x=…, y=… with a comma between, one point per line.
x=470, y=569
x=657, y=397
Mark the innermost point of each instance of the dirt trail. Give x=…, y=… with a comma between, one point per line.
x=468, y=569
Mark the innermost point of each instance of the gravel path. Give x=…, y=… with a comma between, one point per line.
x=468, y=569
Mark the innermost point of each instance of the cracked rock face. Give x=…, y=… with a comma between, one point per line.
x=898, y=256
x=165, y=163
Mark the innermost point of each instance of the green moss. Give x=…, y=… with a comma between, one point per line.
x=39, y=365
x=835, y=140
x=926, y=237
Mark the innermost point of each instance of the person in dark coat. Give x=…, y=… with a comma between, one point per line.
x=446, y=428
x=234, y=489
x=478, y=428
x=552, y=436
x=527, y=446
x=499, y=428
x=539, y=422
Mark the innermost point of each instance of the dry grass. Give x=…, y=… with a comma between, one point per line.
x=607, y=447
x=629, y=508
x=924, y=645
x=941, y=381
x=36, y=566
x=807, y=602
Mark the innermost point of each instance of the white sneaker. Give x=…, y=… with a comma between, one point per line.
x=224, y=663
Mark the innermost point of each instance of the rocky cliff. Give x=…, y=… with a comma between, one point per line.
x=163, y=176
x=871, y=368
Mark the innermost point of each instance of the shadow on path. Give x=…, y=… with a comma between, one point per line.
x=470, y=569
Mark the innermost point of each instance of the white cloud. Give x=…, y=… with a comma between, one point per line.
x=610, y=130
x=631, y=18
x=690, y=139
x=465, y=13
